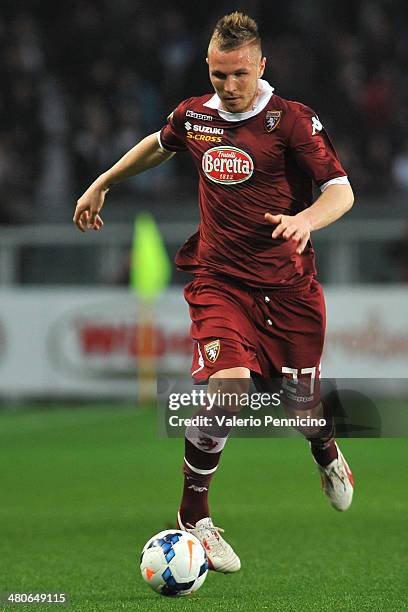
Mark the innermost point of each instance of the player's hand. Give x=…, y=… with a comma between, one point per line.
x=87, y=210
x=296, y=228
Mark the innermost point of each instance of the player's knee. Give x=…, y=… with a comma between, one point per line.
x=208, y=438
x=227, y=388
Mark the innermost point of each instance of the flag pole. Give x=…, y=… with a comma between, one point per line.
x=150, y=272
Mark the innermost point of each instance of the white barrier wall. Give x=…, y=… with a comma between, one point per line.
x=367, y=333
x=73, y=342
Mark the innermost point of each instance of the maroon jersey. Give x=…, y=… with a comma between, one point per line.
x=251, y=163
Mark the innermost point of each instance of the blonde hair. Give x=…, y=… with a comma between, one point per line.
x=235, y=30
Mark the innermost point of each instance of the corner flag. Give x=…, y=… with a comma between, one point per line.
x=150, y=267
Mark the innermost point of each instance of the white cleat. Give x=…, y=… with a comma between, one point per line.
x=221, y=556
x=337, y=482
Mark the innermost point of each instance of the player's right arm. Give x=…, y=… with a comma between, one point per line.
x=148, y=153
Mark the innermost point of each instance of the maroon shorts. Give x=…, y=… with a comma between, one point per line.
x=270, y=332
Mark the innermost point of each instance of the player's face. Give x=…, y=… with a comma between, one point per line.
x=234, y=75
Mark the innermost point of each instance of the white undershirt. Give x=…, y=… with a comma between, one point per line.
x=265, y=93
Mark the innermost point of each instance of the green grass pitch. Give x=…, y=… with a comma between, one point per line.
x=83, y=489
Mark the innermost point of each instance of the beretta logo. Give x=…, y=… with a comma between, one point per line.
x=227, y=165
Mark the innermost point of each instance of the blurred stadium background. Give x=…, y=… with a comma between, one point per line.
x=82, y=81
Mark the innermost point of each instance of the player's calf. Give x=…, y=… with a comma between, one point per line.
x=203, y=448
x=204, y=444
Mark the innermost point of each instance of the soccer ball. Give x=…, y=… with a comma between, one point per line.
x=174, y=563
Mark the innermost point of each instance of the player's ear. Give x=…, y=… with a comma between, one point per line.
x=262, y=65
x=206, y=59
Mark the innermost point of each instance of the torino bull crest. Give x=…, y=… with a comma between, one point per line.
x=272, y=119
x=212, y=350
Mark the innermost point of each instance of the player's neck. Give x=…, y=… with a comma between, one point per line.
x=254, y=101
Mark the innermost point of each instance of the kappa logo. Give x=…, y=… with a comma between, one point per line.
x=212, y=350
x=316, y=125
x=194, y=115
x=198, y=489
x=272, y=119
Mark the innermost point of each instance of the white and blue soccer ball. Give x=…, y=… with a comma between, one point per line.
x=174, y=563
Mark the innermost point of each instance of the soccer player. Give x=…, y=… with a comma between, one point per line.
x=256, y=307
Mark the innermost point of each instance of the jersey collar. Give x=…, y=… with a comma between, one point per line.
x=265, y=93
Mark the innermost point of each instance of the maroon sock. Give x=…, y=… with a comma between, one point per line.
x=323, y=445
x=194, y=502
x=324, y=452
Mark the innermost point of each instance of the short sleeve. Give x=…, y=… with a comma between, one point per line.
x=313, y=149
x=172, y=135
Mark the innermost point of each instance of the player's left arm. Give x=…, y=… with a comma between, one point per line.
x=332, y=204
x=315, y=154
